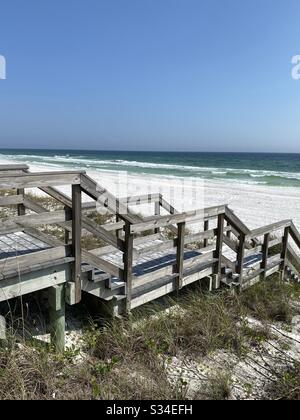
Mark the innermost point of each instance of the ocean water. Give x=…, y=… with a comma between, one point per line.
x=255, y=168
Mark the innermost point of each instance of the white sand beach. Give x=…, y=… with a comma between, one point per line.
x=256, y=205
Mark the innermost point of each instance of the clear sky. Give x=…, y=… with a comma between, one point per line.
x=204, y=75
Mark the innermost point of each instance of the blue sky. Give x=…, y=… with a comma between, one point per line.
x=212, y=75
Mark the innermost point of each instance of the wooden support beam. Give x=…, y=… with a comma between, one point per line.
x=76, y=239
x=57, y=314
x=2, y=328
x=218, y=252
x=285, y=243
x=128, y=265
x=206, y=228
x=157, y=213
x=265, y=255
x=240, y=258
x=180, y=256
x=21, y=207
x=10, y=200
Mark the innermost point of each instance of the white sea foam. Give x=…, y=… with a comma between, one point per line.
x=256, y=203
x=209, y=172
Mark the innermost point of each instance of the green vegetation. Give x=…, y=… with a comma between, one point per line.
x=130, y=358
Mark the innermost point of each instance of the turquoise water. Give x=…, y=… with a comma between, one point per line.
x=265, y=169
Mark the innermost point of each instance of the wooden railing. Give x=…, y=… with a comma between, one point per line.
x=219, y=229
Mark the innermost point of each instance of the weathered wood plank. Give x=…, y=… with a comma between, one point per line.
x=21, y=207
x=284, y=252
x=11, y=200
x=265, y=254
x=106, y=199
x=16, y=224
x=13, y=167
x=32, y=281
x=165, y=221
x=240, y=258
x=35, y=180
x=295, y=234
x=17, y=265
x=57, y=316
x=219, y=249
x=268, y=229
x=102, y=264
x=76, y=239
x=235, y=221
x=128, y=265
x=180, y=255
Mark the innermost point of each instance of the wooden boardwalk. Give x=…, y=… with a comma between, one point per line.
x=144, y=258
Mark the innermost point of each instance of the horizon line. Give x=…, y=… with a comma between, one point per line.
x=145, y=151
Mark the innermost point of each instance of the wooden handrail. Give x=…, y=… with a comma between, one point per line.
x=268, y=229
x=187, y=217
x=36, y=180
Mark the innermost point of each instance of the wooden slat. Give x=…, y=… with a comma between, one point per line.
x=76, y=239
x=295, y=234
x=292, y=253
x=228, y=263
x=240, y=258
x=265, y=254
x=87, y=224
x=16, y=265
x=103, y=196
x=13, y=167
x=219, y=248
x=293, y=268
x=21, y=207
x=268, y=229
x=11, y=200
x=201, y=236
x=235, y=221
x=187, y=217
x=206, y=228
x=128, y=265
x=35, y=180
x=284, y=252
x=102, y=264
x=180, y=255
x=231, y=244
x=137, y=200
x=30, y=282
x=16, y=224
x=201, y=258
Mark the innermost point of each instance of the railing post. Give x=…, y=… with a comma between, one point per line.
x=228, y=233
x=206, y=227
x=218, y=252
x=128, y=264
x=76, y=239
x=180, y=256
x=265, y=255
x=21, y=207
x=285, y=241
x=118, y=231
x=240, y=257
x=57, y=315
x=157, y=213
